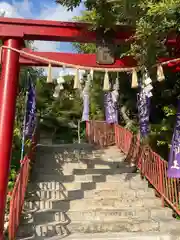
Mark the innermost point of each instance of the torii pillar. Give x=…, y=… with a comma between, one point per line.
x=8, y=93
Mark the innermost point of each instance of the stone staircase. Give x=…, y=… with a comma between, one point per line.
x=78, y=192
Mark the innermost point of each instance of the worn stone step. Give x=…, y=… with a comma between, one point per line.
x=111, y=153
x=119, y=185
x=161, y=214
x=113, y=236
x=44, y=217
x=121, y=169
x=68, y=153
x=108, y=214
x=36, y=194
x=63, y=147
x=47, y=177
x=119, y=158
x=169, y=226
x=64, y=229
x=98, y=183
x=140, y=193
x=113, y=202
x=82, y=169
x=122, y=236
x=121, y=178
x=61, y=166
x=64, y=186
x=69, y=178
x=92, y=203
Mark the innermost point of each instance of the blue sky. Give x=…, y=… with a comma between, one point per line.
x=41, y=9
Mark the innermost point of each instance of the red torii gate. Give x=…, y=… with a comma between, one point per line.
x=13, y=32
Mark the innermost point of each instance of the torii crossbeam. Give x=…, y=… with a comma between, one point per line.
x=13, y=32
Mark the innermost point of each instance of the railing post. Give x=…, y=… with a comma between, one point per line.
x=8, y=94
x=87, y=131
x=161, y=181
x=116, y=134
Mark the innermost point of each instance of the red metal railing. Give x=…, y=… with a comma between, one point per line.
x=19, y=191
x=100, y=133
x=150, y=164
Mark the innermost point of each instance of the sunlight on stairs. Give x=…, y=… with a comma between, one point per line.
x=77, y=192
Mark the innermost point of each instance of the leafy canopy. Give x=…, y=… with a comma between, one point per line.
x=152, y=20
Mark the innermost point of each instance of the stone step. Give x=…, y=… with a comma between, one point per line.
x=67, y=153
x=110, y=202
x=82, y=169
x=64, y=186
x=95, y=203
x=54, y=164
x=123, y=178
x=44, y=217
x=84, y=150
x=122, y=236
x=37, y=195
x=71, y=166
x=129, y=215
x=98, y=183
x=79, y=194
x=113, y=236
x=62, y=147
x=120, y=170
x=140, y=193
x=64, y=229
x=123, y=186
x=58, y=177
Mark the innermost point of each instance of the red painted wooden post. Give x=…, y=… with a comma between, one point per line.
x=8, y=94
x=87, y=131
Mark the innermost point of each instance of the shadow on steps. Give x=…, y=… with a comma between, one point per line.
x=54, y=177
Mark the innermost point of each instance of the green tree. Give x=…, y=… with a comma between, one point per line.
x=151, y=21
x=61, y=114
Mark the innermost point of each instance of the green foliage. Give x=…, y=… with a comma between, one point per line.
x=152, y=21
x=96, y=97
x=59, y=115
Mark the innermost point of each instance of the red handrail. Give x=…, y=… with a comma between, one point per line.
x=150, y=164
x=19, y=191
x=100, y=133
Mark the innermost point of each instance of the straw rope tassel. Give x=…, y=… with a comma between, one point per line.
x=92, y=73
x=106, y=86
x=134, y=83
x=77, y=84
x=117, y=81
x=160, y=73
x=49, y=75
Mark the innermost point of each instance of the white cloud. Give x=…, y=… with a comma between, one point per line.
x=10, y=10
x=24, y=9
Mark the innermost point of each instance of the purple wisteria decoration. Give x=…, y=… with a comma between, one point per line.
x=174, y=155
x=143, y=105
x=111, y=110
x=31, y=111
